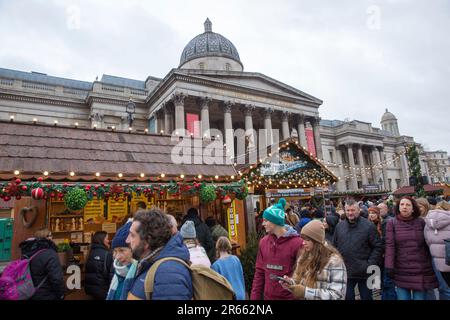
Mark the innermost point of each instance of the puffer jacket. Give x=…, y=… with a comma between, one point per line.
x=99, y=272
x=276, y=256
x=360, y=246
x=173, y=280
x=437, y=229
x=45, y=264
x=407, y=254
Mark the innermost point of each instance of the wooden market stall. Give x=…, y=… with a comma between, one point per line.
x=41, y=165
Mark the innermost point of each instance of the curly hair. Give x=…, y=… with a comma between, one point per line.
x=154, y=228
x=416, y=210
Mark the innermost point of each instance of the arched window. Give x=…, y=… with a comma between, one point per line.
x=201, y=65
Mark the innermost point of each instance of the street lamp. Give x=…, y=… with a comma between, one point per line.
x=130, y=108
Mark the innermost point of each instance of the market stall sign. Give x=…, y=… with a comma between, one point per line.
x=288, y=193
x=117, y=210
x=233, y=221
x=93, y=212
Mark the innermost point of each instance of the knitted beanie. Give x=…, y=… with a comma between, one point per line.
x=188, y=230
x=275, y=215
x=121, y=236
x=314, y=230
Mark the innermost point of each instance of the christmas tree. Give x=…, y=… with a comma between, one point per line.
x=414, y=170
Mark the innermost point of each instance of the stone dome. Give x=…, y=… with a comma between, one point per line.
x=388, y=116
x=209, y=44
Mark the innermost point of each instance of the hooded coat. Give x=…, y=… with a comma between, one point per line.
x=437, y=229
x=45, y=264
x=276, y=256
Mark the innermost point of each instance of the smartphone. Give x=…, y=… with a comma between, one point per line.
x=284, y=280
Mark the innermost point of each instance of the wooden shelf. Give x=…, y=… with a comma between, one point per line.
x=56, y=232
x=67, y=216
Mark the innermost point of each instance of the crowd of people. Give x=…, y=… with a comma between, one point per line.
x=330, y=252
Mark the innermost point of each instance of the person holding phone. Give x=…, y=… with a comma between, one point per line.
x=320, y=273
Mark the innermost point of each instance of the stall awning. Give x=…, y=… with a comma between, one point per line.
x=33, y=149
x=429, y=188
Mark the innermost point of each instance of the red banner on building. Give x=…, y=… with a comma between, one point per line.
x=310, y=141
x=193, y=124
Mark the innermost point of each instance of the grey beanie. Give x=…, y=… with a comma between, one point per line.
x=188, y=230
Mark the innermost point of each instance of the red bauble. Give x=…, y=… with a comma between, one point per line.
x=7, y=198
x=24, y=188
x=37, y=193
x=61, y=195
x=65, y=185
x=94, y=194
x=52, y=195
x=40, y=179
x=18, y=197
x=18, y=181
x=102, y=184
x=138, y=189
x=96, y=187
x=106, y=194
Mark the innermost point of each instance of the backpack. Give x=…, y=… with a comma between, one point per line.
x=16, y=282
x=207, y=283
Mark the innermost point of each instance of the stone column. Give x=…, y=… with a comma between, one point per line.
x=351, y=163
x=249, y=132
x=376, y=167
x=268, y=125
x=317, y=141
x=341, y=182
x=285, y=125
x=160, y=121
x=204, y=103
x=384, y=170
x=167, y=119
x=405, y=173
x=228, y=131
x=301, y=130
x=178, y=100
x=362, y=165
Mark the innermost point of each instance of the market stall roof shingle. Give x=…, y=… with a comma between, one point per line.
x=33, y=149
x=428, y=188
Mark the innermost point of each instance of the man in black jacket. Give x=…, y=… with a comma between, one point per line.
x=203, y=233
x=46, y=266
x=358, y=242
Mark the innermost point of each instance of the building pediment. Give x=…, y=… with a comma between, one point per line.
x=254, y=83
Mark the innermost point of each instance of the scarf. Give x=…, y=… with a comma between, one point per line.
x=122, y=280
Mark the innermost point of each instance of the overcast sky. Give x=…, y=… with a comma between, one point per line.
x=359, y=57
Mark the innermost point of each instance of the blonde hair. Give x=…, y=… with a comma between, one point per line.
x=443, y=205
x=42, y=233
x=311, y=263
x=424, y=203
x=223, y=244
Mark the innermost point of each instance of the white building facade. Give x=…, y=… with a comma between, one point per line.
x=210, y=90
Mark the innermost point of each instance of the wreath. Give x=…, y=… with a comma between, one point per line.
x=34, y=213
x=76, y=199
x=208, y=194
x=242, y=193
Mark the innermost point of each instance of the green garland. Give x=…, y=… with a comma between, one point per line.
x=208, y=193
x=76, y=199
x=17, y=189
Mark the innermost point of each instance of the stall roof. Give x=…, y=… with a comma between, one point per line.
x=429, y=188
x=33, y=149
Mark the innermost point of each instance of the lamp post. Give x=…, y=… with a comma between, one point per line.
x=130, y=108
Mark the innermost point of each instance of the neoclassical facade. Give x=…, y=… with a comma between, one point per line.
x=209, y=95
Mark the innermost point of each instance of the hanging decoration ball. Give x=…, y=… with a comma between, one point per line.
x=24, y=188
x=40, y=179
x=18, y=181
x=76, y=199
x=226, y=200
x=37, y=194
x=7, y=198
x=208, y=193
x=18, y=197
